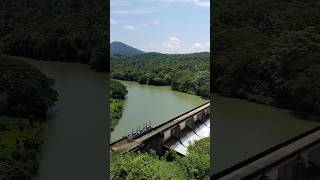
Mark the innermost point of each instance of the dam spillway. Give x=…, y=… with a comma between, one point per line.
x=199, y=133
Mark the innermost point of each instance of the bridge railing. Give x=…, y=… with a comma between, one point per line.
x=246, y=162
x=172, y=119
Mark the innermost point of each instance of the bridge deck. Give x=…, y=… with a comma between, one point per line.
x=274, y=159
x=124, y=145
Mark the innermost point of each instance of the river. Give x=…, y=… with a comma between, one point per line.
x=75, y=134
x=158, y=104
x=243, y=129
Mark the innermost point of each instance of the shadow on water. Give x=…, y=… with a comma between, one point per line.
x=52, y=113
x=305, y=116
x=243, y=129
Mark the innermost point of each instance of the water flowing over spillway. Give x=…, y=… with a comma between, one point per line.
x=201, y=132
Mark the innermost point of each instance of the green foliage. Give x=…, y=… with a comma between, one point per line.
x=20, y=144
x=118, y=90
x=116, y=107
x=147, y=165
x=25, y=96
x=62, y=30
x=267, y=51
x=24, y=90
x=131, y=166
x=184, y=72
x=117, y=95
x=197, y=162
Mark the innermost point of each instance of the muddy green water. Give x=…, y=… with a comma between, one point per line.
x=242, y=129
x=75, y=134
x=157, y=104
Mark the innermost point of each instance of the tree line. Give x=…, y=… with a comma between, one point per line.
x=118, y=93
x=26, y=94
x=58, y=30
x=267, y=52
x=183, y=72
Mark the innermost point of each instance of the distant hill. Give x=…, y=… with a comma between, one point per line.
x=119, y=48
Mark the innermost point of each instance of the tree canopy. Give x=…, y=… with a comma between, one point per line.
x=61, y=30
x=267, y=52
x=183, y=72
x=26, y=94
x=24, y=90
x=118, y=90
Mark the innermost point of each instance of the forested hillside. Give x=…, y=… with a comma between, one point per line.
x=121, y=49
x=183, y=72
x=61, y=30
x=26, y=94
x=268, y=52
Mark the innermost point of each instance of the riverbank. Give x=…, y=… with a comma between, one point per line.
x=26, y=94
x=145, y=103
x=76, y=127
x=118, y=94
x=188, y=73
x=157, y=103
x=116, y=107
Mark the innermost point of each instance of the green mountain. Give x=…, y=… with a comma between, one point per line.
x=121, y=49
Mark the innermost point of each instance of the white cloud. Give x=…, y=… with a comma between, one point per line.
x=176, y=46
x=173, y=45
x=201, y=47
x=112, y=21
x=130, y=27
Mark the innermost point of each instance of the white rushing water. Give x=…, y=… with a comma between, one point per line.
x=200, y=133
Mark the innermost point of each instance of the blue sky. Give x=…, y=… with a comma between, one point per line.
x=166, y=26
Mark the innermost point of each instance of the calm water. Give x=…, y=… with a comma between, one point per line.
x=242, y=129
x=157, y=104
x=75, y=135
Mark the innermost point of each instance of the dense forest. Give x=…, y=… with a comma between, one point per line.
x=267, y=52
x=146, y=165
x=25, y=96
x=183, y=72
x=117, y=95
x=58, y=30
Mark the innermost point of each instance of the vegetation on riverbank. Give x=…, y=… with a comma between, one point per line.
x=20, y=145
x=183, y=72
x=25, y=96
x=117, y=95
x=147, y=165
x=267, y=52
x=24, y=90
x=58, y=30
